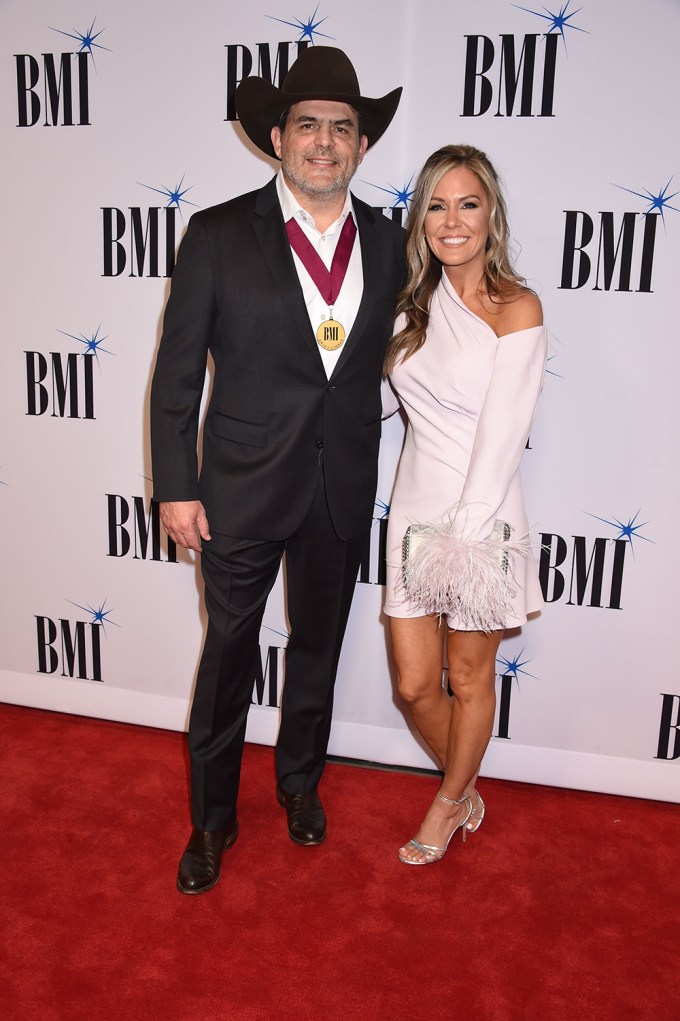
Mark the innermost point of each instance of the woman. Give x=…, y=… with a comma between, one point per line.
x=467, y=362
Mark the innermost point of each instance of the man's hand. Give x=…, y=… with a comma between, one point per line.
x=186, y=523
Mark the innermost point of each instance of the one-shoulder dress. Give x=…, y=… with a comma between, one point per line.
x=470, y=398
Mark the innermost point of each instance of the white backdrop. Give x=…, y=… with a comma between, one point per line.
x=107, y=151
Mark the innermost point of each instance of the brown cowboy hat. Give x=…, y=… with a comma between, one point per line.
x=321, y=72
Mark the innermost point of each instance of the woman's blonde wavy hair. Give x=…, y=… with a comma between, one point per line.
x=501, y=281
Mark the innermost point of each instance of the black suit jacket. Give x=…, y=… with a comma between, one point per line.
x=236, y=293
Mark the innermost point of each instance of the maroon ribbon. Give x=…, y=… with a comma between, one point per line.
x=328, y=282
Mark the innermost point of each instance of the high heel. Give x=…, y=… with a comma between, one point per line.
x=431, y=853
x=476, y=815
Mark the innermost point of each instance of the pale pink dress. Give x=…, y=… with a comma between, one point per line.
x=470, y=398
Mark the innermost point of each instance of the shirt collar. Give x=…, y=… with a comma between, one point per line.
x=292, y=209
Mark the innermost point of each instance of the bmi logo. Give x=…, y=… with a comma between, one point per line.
x=269, y=61
x=610, y=251
x=269, y=666
x=588, y=571
x=515, y=75
x=510, y=669
x=134, y=530
x=72, y=647
x=63, y=383
x=399, y=207
x=141, y=239
x=372, y=570
x=54, y=89
x=669, y=728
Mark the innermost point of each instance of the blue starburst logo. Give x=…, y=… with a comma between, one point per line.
x=281, y=634
x=308, y=29
x=557, y=22
x=92, y=344
x=86, y=40
x=628, y=530
x=515, y=666
x=402, y=196
x=175, y=196
x=551, y=372
x=659, y=201
x=100, y=616
x=384, y=507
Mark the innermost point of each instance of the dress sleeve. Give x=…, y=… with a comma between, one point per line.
x=390, y=401
x=502, y=431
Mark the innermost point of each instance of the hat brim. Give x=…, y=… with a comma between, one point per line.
x=259, y=106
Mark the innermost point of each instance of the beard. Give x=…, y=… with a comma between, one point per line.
x=296, y=170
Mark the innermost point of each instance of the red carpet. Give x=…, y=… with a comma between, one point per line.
x=565, y=905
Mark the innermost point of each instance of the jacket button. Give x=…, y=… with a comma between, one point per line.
x=330, y=388
x=319, y=444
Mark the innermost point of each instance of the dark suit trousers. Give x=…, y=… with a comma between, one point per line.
x=321, y=572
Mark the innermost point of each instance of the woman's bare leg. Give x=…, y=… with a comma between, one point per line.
x=418, y=645
x=472, y=675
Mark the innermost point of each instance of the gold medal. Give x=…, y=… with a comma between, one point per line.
x=330, y=335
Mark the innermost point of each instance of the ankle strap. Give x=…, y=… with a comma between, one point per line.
x=451, y=801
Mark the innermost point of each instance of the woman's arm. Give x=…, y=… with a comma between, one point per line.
x=506, y=417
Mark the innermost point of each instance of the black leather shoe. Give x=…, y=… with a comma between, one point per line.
x=199, y=866
x=306, y=817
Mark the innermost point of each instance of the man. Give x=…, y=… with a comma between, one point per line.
x=291, y=434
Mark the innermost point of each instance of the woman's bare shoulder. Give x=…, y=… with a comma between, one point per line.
x=521, y=312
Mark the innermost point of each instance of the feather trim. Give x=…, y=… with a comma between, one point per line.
x=469, y=580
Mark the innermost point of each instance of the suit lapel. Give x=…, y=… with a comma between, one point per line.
x=273, y=240
x=369, y=264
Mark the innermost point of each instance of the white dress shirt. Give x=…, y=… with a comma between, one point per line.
x=347, y=302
